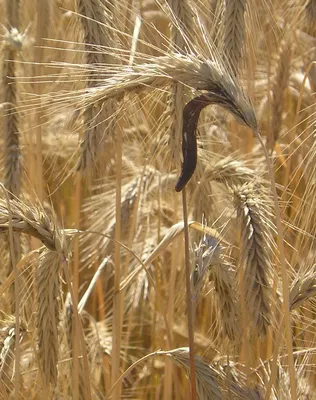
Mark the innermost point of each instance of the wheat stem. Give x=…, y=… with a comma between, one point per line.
x=81, y=333
x=285, y=282
x=117, y=317
x=188, y=295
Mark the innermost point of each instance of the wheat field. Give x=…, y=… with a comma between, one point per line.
x=158, y=199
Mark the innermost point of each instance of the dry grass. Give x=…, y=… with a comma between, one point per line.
x=115, y=288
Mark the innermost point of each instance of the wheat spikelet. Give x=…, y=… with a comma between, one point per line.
x=60, y=139
x=234, y=31
x=229, y=170
x=204, y=255
x=217, y=381
x=304, y=389
x=131, y=193
x=302, y=289
x=12, y=152
x=48, y=292
x=206, y=380
x=208, y=261
x=235, y=382
x=98, y=118
x=222, y=275
x=255, y=241
x=7, y=343
x=311, y=11
x=34, y=222
x=13, y=43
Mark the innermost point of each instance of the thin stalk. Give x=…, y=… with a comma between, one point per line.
x=81, y=334
x=285, y=280
x=17, y=374
x=188, y=294
x=170, y=313
x=131, y=235
x=75, y=272
x=118, y=382
x=117, y=317
x=43, y=18
x=273, y=373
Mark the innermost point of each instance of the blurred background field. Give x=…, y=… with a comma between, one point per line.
x=92, y=270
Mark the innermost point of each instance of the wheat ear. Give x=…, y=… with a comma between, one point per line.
x=311, y=11
x=255, y=240
x=190, y=70
x=131, y=192
x=35, y=222
x=13, y=42
x=8, y=338
x=47, y=323
x=230, y=171
x=302, y=289
x=234, y=32
x=32, y=221
x=207, y=386
x=222, y=274
x=96, y=15
x=12, y=152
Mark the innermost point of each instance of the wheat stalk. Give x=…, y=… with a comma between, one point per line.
x=279, y=87
x=67, y=324
x=181, y=12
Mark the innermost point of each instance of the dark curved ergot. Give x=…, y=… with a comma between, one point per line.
x=238, y=106
x=191, y=113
